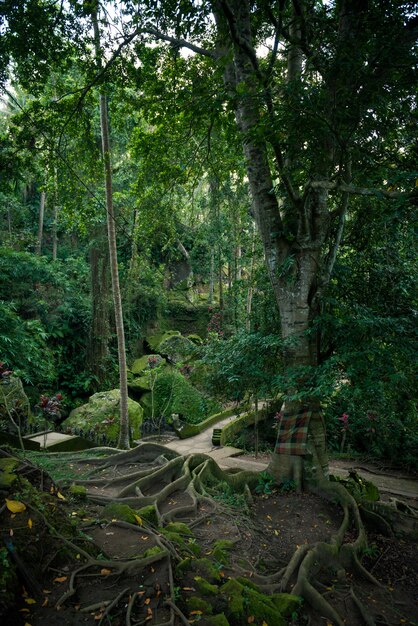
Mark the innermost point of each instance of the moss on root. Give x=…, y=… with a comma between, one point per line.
x=244, y=603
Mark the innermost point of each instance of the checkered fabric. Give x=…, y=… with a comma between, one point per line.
x=293, y=432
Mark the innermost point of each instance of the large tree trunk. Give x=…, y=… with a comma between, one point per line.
x=292, y=263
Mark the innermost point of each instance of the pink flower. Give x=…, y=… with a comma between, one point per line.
x=344, y=420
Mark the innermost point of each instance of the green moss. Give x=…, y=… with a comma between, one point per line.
x=118, y=511
x=7, y=466
x=78, y=491
x=206, y=569
x=247, y=583
x=140, y=384
x=148, y=514
x=152, y=551
x=245, y=602
x=233, y=591
x=183, y=566
x=196, y=339
x=286, y=603
x=217, y=620
x=179, y=527
x=198, y=604
x=220, y=550
x=205, y=587
x=155, y=340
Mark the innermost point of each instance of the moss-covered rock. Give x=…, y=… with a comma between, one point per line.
x=155, y=340
x=142, y=364
x=101, y=415
x=196, y=339
x=141, y=384
x=177, y=348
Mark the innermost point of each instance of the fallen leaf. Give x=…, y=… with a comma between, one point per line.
x=98, y=616
x=45, y=602
x=77, y=556
x=147, y=600
x=188, y=589
x=27, y=624
x=46, y=591
x=277, y=532
x=105, y=572
x=30, y=523
x=264, y=624
x=15, y=506
x=24, y=611
x=11, y=532
x=60, y=579
x=60, y=496
x=269, y=517
x=30, y=601
x=144, y=538
x=196, y=613
x=138, y=520
x=251, y=619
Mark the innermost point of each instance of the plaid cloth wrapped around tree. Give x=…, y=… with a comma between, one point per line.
x=292, y=434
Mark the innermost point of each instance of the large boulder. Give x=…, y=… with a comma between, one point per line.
x=101, y=416
x=177, y=348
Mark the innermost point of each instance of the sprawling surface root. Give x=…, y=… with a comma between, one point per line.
x=164, y=474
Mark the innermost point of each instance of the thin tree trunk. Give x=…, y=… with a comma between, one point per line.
x=38, y=249
x=55, y=217
x=117, y=301
x=212, y=275
x=98, y=352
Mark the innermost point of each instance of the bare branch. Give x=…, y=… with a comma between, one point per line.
x=178, y=43
x=362, y=191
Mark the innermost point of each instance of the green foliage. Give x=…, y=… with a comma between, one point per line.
x=243, y=364
x=265, y=483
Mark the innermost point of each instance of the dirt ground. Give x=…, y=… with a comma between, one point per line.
x=263, y=536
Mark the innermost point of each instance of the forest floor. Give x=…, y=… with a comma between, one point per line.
x=263, y=536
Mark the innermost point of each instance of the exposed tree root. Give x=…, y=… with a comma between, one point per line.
x=161, y=475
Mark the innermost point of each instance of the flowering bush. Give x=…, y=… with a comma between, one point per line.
x=51, y=407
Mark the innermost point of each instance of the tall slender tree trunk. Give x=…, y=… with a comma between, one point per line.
x=38, y=249
x=98, y=351
x=124, y=434
x=55, y=217
x=212, y=275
